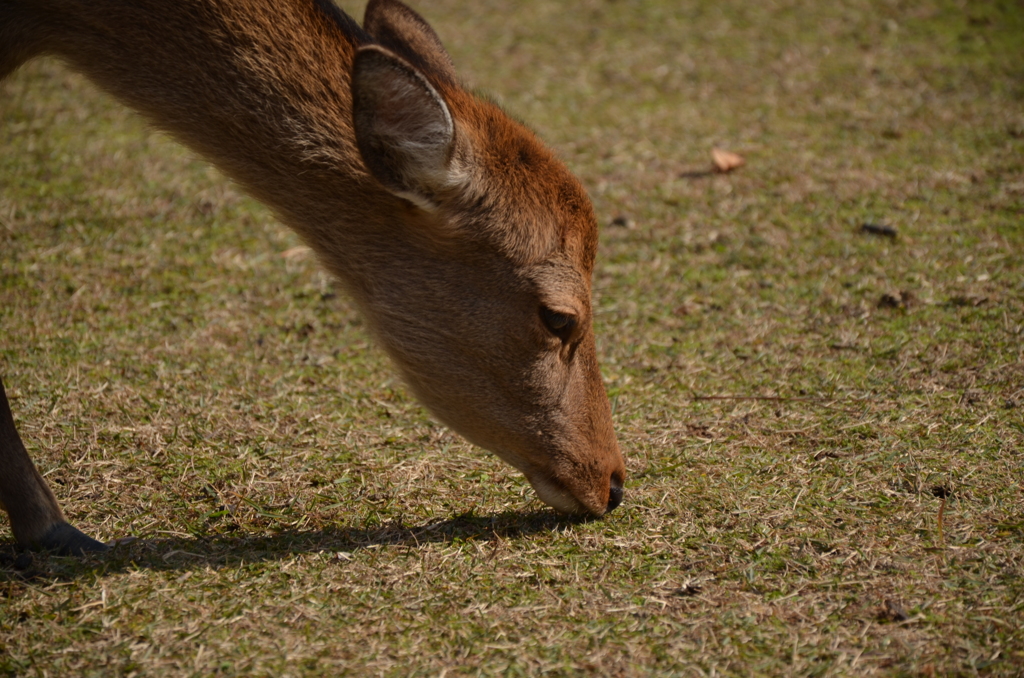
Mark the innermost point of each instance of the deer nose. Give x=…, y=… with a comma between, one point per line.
x=615, y=494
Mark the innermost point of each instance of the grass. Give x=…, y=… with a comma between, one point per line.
x=823, y=427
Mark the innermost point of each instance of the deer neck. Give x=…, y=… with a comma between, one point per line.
x=261, y=89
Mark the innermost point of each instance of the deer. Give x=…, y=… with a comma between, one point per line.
x=466, y=245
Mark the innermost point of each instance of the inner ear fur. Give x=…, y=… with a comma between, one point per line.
x=403, y=127
x=398, y=28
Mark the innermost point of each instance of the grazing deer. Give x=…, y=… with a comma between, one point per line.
x=465, y=243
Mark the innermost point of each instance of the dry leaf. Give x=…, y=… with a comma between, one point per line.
x=726, y=161
x=895, y=299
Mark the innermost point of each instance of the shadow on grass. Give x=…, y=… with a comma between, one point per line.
x=231, y=550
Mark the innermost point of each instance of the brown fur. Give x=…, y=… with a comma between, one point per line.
x=450, y=224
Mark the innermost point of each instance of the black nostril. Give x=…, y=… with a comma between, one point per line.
x=615, y=494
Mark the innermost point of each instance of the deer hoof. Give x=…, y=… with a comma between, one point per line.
x=65, y=540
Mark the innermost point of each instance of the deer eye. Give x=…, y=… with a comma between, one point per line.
x=559, y=324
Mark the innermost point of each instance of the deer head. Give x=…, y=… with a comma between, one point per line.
x=482, y=293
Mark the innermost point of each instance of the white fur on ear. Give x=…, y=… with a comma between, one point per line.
x=403, y=127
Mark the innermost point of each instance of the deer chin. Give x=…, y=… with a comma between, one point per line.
x=548, y=489
x=559, y=498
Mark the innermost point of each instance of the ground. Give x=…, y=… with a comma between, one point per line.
x=823, y=423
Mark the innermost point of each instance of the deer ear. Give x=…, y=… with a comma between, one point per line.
x=406, y=33
x=403, y=127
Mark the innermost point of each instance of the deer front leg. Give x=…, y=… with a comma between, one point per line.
x=36, y=519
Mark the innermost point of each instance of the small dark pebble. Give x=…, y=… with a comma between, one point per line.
x=971, y=397
x=688, y=590
x=1010, y=404
x=895, y=299
x=24, y=562
x=893, y=612
x=878, y=229
x=622, y=221
x=890, y=301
